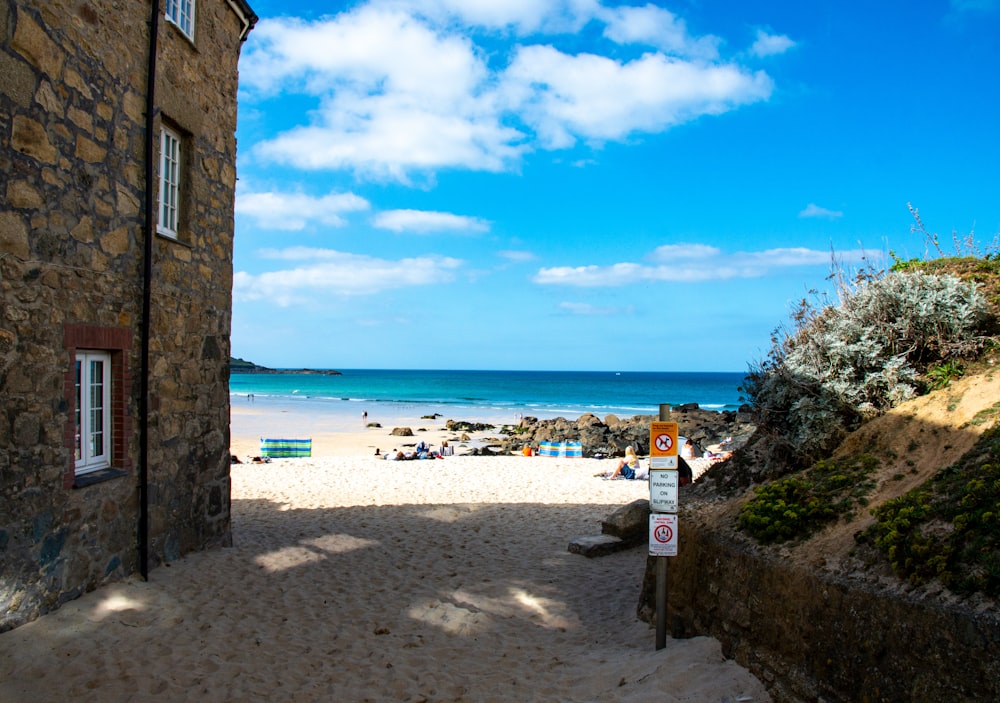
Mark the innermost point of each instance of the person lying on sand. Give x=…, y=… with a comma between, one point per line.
x=627, y=467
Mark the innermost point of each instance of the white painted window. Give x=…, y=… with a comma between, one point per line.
x=170, y=182
x=93, y=411
x=181, y=13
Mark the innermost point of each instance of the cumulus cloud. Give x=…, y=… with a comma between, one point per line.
x=814, y=210
x=427, y=221
x=674, y=252
x=697, y=263
x=395, y=95
x=565, y=97
x=658, y=27
x=316, y=274
x=403, y=88
x=293, y=211
x=770, y=44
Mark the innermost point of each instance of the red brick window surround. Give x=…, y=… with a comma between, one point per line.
x=117, y=341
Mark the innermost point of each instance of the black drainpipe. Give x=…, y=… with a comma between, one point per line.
x=147, y=283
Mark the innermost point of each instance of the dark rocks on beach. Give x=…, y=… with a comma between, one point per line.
x=462, y=425
x=401, y=432
x=611, y=436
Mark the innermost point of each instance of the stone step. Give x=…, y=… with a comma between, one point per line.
x=598, y=545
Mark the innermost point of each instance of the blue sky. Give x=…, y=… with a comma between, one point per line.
x=592, y=185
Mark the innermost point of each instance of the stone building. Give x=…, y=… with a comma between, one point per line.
x=116, y=267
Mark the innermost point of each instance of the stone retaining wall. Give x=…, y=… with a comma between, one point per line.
x=814, y=638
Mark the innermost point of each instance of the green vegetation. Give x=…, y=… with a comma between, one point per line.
x=796, y=506
x=949, y=527
x=943, y=374
x=917, y=327
x=240, y=366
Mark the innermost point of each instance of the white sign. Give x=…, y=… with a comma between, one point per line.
x=663, y=462
x=663, y=487
x=662, y=535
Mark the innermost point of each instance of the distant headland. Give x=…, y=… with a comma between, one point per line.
x=242, y=366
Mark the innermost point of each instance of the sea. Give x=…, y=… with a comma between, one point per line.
x=495, y=396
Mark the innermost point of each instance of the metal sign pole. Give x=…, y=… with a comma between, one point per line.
x=661, y=602
x=661, y=561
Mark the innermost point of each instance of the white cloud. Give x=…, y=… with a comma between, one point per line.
x=321, y=273
x=589, y=310
x=657, y=26
x=673, y=252
x=400, y=87
x=293, y=211
x=564, y=97
x=697, y=263
x=395, y=96
x=427, y=221
x=523, y=16
x=814, y=210
x=623, y=274
x=517, y=256
x=770, y=44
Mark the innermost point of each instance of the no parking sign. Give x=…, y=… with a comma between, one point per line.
x=662, y=535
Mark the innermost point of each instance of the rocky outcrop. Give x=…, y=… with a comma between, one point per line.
x=610, y=437
x=241, y=366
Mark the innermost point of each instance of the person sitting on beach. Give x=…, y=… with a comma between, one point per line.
x=424, y=451
x=628, y=466
x=688, y=450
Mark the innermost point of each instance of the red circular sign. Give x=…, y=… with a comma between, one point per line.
x=664, y=442
x=663, y=534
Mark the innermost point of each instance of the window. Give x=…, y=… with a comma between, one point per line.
x=170, y=186
x=96, y=385
x=181, y=13
x=93, y=411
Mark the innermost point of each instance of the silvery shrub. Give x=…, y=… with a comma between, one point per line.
x=842, y=364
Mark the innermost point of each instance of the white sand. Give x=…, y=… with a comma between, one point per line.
x=353, y=579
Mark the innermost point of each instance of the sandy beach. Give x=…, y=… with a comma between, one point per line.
x=339, y=432
x=353, y=579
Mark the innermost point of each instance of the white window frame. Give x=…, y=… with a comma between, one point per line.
x=181, y=13
x=93, y=411
x=170, y=183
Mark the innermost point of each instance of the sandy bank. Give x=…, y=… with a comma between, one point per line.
x=359, y=580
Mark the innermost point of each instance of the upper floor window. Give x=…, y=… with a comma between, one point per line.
x=181, y=13
x=93, y=411
x=170, y=182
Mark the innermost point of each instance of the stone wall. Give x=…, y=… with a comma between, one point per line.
x=811, y=637
x=72, y=239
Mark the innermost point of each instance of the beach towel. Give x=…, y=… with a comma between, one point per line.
x=569, y=450
x=285, y=448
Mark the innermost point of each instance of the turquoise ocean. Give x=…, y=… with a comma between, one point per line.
x=498, y=396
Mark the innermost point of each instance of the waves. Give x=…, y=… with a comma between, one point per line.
x=543, y=394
